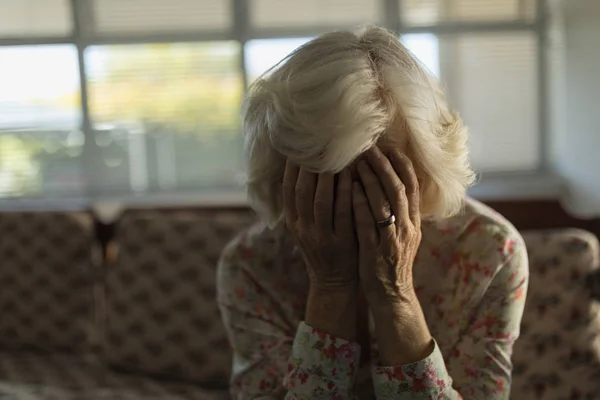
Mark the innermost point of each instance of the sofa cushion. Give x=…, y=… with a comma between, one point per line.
x=35, y=376
x=558, y=353
x=161, y=312
x=46, y=298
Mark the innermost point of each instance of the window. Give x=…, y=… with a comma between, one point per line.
x=492, y=80
x=26, y=18
x=425, y=47
x=164, y=116
x=314, y=13
x=41, y=142
x=431, y=12
x=160, y=16
x=262, y=54
x=141, y=98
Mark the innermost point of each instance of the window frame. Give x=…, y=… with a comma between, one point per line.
x=241, y=30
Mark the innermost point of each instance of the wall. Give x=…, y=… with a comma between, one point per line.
x=576, y=142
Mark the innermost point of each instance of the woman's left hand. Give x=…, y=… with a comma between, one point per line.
x=387, y=249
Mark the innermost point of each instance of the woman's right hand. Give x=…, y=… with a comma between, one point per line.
x=319, y=216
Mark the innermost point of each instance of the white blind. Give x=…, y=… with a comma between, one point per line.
x=429, y=12
x=307, y=13
x=23, y=18
x=165, y=116
x=152, y=16
x=492, y=81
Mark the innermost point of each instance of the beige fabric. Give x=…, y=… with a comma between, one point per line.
x=31, y=376
x=558, y=354
x=46, y=280
x=161, y=314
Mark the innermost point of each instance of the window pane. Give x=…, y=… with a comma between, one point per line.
x=165, y=116
x=262, y=54
x=426, y=48
x=135, y=16
x=492, y=82
x=429, y=12
x=310, y=13
x=20, y=18
x=40, y=139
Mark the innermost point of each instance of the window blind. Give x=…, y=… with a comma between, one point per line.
x=311, y=13
x=26, y=18
x=155, y=16
x=430, y=12
x=164, y=116
x=491, y=79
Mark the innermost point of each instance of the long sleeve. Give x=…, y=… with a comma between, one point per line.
x=321, y=366
x=471, y=279
x=479, y=365
x=269, y=361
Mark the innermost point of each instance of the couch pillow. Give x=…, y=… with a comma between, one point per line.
x=46, y=298
x=161, y=312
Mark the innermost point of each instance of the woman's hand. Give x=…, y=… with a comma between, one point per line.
x=387, y=249
x=387, y=252
x=319, y=217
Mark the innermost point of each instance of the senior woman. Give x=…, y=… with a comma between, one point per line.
x=372, y=275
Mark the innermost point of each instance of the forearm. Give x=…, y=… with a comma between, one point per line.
x=401, y=330
x=332, y=311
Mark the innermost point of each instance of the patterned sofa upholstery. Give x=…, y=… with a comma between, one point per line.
x=161, y=314
x=558, y=354
x=46, y=277
x=146, y=325
x=153, y=309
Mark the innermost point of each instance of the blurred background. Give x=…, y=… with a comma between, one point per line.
x=138, y=101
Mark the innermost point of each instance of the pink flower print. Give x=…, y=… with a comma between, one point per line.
x=346, y=352
x=500, y=385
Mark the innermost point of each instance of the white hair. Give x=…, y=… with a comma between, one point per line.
x=338, y=95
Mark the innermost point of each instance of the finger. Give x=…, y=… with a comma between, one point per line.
x=323, y=205
x=290, y=176
x=343, y=204
x=365, y=224
x=305, y=196
x=393, y=186
x=378, y=202
x=406, y=171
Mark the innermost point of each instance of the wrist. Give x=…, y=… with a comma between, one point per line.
x=332, y=311
x=401, y=330
x=386, y=297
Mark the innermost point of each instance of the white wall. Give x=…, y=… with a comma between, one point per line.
x=576, y=141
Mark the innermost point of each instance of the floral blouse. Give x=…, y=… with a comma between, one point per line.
x=470, y=276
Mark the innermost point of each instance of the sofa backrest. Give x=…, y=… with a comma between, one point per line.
x=160, y=311
x=558, y=353
x=46, y=273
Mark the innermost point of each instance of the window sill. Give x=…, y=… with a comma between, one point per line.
x=491, y=187
x=521, y=186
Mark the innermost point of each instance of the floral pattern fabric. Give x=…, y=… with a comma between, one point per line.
x=470, y=275
x=558, y=355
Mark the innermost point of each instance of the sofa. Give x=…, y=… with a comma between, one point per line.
x=133, y=316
